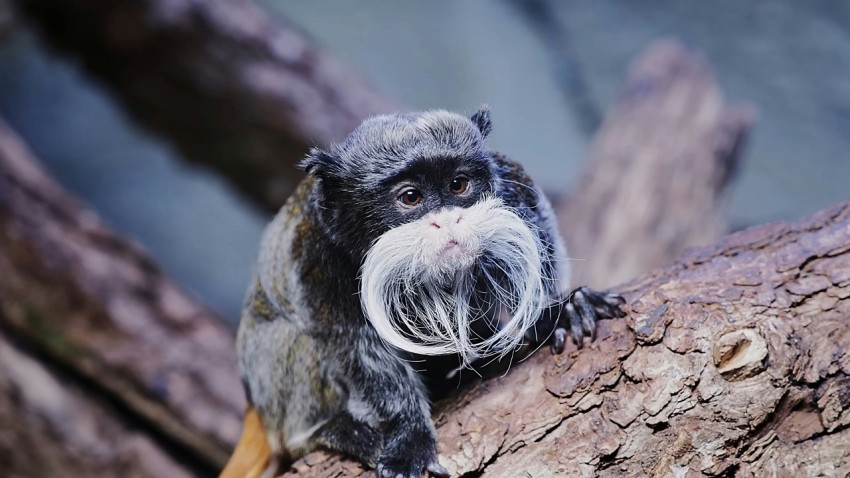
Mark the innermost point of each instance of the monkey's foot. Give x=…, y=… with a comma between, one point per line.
x=580, y=312
x=410, y=459
x=405, y=470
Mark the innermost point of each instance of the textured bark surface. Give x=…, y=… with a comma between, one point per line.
x=226, y=85
x=659, y=170
x=95, y=308
x=733, y=361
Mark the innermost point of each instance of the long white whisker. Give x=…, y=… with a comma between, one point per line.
x=423, y=305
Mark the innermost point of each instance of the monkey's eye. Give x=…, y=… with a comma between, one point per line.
x=410, y=197
x=459, y=185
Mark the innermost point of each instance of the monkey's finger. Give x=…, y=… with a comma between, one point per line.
x=586, y=312
x=438, y=470
x=559, y=340
x=575, y=325
x=607, y=304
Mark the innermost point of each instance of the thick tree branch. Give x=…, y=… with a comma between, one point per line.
x=95, y=306
x=735, y=360
x=226, y=85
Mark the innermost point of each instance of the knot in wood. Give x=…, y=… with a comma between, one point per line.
x=740, y=354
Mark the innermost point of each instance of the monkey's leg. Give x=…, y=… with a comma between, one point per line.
x=387, y=387
x=578, y=313
x=410, y=451
x=351, y=436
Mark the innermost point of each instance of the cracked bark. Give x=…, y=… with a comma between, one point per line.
x=733, y=361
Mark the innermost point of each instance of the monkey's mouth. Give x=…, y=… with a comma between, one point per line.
x=455, y=254
x=451, y=249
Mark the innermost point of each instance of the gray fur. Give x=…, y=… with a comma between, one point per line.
x=394, y=140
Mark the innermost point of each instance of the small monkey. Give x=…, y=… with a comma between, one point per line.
x=411, y=251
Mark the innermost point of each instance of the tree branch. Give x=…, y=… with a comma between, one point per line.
x=97, y=308
x=659, y=170
x=230, y=88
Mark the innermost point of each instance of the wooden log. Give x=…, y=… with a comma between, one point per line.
x=94, y=305
x=733, y=361
x=230, y=88
x=659, y=170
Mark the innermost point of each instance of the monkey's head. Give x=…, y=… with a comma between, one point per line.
x=413, y=197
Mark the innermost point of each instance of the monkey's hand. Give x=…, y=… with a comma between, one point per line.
x=410, y=454
x=578, y=313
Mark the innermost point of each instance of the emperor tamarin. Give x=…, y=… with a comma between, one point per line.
x=411, y=251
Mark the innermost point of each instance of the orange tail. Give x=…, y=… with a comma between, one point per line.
x=252, y=455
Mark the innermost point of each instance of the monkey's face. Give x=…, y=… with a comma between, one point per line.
x=433, y=198
x=414, y=196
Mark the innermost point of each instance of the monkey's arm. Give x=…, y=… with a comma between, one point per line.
x=576, y=310
x=388, y=391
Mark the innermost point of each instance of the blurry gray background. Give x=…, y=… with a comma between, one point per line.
x=791, y=59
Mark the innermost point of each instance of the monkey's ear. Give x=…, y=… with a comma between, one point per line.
x=318, y=162
x=482, y=120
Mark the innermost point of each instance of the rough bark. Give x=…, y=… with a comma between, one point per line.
x=733, y=361
x=230, y=88
x=659, y=170
x=96, y=309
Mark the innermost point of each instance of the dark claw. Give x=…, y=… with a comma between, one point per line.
x=559, y=340
x=575, y=324
x=586, y=311
x=576, y=315
x=438, y=470
x=606, y=304
x=413, y=455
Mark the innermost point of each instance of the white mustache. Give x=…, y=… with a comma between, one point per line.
x=421, y=302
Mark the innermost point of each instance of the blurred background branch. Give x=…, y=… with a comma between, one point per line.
x=659, y=172
x=227, y=86
x=150, y=374
x=563, y=60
